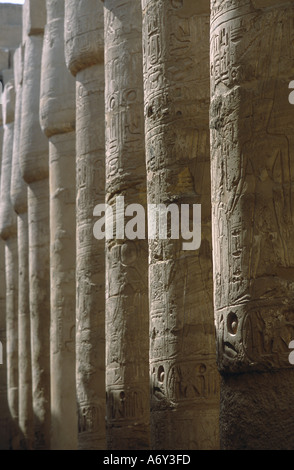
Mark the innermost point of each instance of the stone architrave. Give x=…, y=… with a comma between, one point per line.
x=57, y=119
x=33, y=151
x=8, y=233
x=10, y=31
x=84, y=53
x=252, y=161
x=18, y=194
x=184, y=378
x=127, y=320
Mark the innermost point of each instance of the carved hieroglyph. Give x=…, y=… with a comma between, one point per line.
x=84, y=53
x=127, y=376
x=33, y=150
x=57, y=119
x=8, y=232
x=184, y=378
x=252, y=161
x=18, y=193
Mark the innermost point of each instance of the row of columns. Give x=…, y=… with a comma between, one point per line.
x=111, y=343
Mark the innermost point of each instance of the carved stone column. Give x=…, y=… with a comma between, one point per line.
x=57, y=118
x=84, y=52
x=33, y=151
x=127, y=322
x=253, y=224
x=8, y=233
x=18, y=193
x=185, y=382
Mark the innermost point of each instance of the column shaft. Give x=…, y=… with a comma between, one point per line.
x=4, y=410
x=84, y=52
x=18, y=194
x=8, y=232
x=253, y=226
x=184, y=377
x=34, y=170
x=57, y=118
x=127, y=351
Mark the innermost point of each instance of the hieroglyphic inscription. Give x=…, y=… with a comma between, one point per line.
x=252, y=198
x=176, y=85
x=127, y=374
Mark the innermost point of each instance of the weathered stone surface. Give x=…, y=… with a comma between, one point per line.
x=11, y=269
x=18, y=189
x=34, y=166
x=184, y=378
x=8, y=232
x=52, y=325
x=7, y=215
x=57, y=97
x=84, y=34
x=84, y=53
x=57, y=118
x=18, y=195
x=33, y=18
x=10, y=35
x=34, y=145
x=4, y=411
x=127, y=375
x=5, y=417
x=252, y=179
x=39, y=271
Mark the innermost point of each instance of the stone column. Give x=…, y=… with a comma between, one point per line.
x=5, y=417
x=33, y=151
x=127, y=339
x=18, y=193
x=8, y=232
x=252, y=143
x=4, y=410
x=10, y=37
x=185, y=382
x=84, y=52
x=57, y=118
